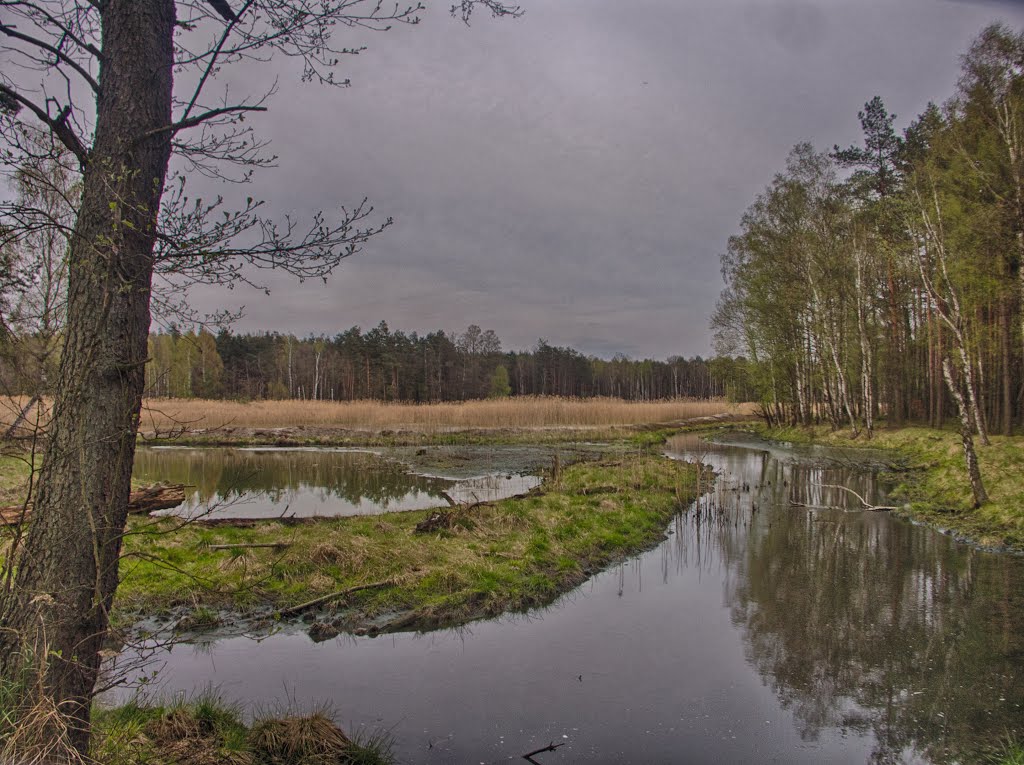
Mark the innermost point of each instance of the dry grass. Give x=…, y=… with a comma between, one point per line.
x=532, y=412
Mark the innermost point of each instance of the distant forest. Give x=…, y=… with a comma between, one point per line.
x=387, y=365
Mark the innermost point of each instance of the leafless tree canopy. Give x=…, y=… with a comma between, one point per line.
x=50, y=55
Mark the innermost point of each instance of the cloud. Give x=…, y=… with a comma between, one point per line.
x=574, y=175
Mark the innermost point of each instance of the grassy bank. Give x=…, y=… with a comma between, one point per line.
x=202, y=730
x=937, y=489
x=476, y=562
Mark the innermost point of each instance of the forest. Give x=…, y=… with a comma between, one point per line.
x=884, y=280
x=385, y=365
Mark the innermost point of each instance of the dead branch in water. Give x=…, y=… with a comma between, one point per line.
x=867, y=505
x=549, y=748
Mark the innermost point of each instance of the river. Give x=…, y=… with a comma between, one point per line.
x=778, y=622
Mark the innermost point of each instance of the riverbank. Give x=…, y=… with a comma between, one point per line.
x=935, y=488
x=410, y=570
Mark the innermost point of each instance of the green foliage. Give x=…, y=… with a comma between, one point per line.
x=1009, y=752
x=500, y=387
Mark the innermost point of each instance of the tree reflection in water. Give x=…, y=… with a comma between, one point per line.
x=861, y=622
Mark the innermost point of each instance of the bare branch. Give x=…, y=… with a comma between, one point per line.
x=58, y=125
x=62, y=57
x=192, y=122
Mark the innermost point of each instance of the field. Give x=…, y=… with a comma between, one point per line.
x=164, y=415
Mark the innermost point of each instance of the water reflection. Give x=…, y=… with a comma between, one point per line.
x=301, y=482
x=860, y=622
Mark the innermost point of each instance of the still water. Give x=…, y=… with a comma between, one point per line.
x=778, y=622
x=272, y=482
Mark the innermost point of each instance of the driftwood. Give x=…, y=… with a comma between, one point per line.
x=295, y=610
x=437, y=520
x=157, y=497
x=446, y=519
x=867, y=505
x=549, y=748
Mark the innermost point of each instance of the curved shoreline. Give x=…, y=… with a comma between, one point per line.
x=934, y=486
x=484, y=559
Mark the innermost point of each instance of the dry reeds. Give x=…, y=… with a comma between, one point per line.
x=525, y=412
x=171, y=415
x=307, y=740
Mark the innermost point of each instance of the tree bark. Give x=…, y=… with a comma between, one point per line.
x=56, y=615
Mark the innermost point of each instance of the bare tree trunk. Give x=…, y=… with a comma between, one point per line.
x=1006, y=362
x=970, y=455
x=56, y=615
x=866, y=372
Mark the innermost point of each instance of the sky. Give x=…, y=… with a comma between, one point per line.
x=574, y=174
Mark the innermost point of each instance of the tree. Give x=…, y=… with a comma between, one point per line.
x=500, y=387
x=120, y=60
x=35, y=262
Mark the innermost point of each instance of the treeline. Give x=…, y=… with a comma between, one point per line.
x=387, y=365
x=885, y=279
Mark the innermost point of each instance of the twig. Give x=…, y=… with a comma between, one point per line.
x=293, y=610
x=549, y=748
x=241, y=546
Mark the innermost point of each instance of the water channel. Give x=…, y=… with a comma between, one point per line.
x=778, y=622
x=304, y=482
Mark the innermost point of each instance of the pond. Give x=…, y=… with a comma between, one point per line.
x=777, y=622
x=272, y=482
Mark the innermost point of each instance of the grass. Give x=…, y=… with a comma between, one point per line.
x=938, y=491
x=205, y=729
x=1008, y=752
x=14, y=472
x=505, y=556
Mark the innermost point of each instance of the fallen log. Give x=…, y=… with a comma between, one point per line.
x=157, y=497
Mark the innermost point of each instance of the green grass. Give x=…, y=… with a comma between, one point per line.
x=1009, y=752
x=503, y=556
x=937, y=488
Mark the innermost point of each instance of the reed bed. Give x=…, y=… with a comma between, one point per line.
x=520, y=412
x=547, y=412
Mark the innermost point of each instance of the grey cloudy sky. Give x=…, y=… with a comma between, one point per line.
x=574, y=174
